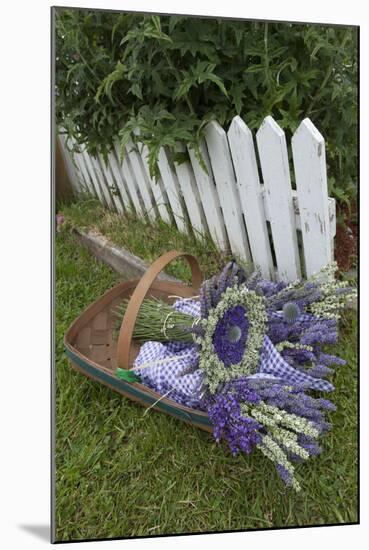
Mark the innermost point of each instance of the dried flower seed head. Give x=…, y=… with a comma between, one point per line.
x=234, y=333
x=291, y=312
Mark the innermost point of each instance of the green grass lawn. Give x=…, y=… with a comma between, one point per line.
x=122, y=474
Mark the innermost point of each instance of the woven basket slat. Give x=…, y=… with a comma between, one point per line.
x=99, y=336
x=84, y=338
x=101, y=321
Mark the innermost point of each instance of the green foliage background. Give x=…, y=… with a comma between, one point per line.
x=168, y=76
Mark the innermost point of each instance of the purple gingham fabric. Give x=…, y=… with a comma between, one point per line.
x=189, y=306
x=301, y=318
x=272, y=362
x=173, y=366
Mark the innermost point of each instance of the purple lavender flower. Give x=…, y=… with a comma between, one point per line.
x=294, y=401
x=322, y=426
x=241, y=433
x=230, y=335
x=309, y=444
x=326, y=404
x=284, y=474
x=253, y=280
x=319, y=371
x=206, y=302
x=326, y=359
x=212, y=289
x=223, y=280
x=323, y=331
x=268, y=288
x=301, y=296
x=293, y=356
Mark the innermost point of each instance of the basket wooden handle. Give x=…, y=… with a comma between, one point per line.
x=138, y=296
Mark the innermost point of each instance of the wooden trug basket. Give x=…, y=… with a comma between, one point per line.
x=92, y=350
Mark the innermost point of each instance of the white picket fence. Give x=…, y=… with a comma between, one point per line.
x=287, y=233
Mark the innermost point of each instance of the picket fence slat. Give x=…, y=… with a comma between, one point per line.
x=114, y=165
x=229, y=200
x=332, y=223
x=130, y=182
x=209, y=197
x=276, y=176
x=221, y=162
x=86, y=175
x=69, y=164
x=186, y=180
x=171, y=185
x=84, y=180
x=308, y=149
x=245, y=165
x=93, y=177
x=81, y=181
x=331, y=209
x=101, y=180
x=110, y=180
x=141, y=180
x=157, y=189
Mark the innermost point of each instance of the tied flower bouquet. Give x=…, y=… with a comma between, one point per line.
x=250, y=353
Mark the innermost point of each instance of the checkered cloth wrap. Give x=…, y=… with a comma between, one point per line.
x=174, y=365
x=272, y=362
x=301, y=318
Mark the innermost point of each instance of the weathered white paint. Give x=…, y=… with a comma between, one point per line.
x=101, y=179
x=331, y=209
x=81, y=186
x=86, y=185
x=276, y=176
x=308, y=150
x=82, y=183
x=209, y=197
x=113, y=187
x=221, y=163
x=131, y=183
x=141, y=180
x=86, y=176
x=157, y=188
x=69, y=164
x=171, y=185
x=231, y=192
x=244, y=162
x=187, y=183
x=93, y=177
x=119, y=180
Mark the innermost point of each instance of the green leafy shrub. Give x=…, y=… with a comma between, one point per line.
x=168, y=76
